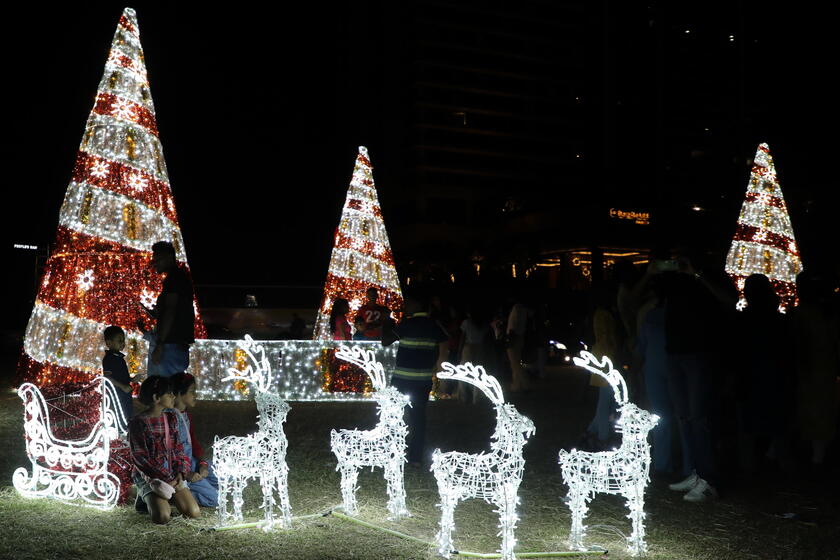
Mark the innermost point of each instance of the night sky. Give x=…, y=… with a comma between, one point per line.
x=261, y=109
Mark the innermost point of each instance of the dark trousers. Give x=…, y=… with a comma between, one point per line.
x=690, y=385
x=417, y=391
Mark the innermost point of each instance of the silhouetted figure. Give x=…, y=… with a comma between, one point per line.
x=817, y=362
x=763, y=375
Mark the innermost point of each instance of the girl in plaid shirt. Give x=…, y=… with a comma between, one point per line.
x=158, y=454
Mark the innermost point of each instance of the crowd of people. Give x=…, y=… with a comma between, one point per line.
x=736, y=392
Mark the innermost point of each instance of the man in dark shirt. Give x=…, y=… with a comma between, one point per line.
x=116, y=370
x=423, y=346
x=373, y=314
x=170, y=350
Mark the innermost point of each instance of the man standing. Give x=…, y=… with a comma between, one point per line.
x=374, y=315
x=423, y=346
x=175, y=315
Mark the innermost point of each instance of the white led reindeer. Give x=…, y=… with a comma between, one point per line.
x=259, y=455
x=621, y=471
x=494, y=476
x=70, y=470
x=383, y=446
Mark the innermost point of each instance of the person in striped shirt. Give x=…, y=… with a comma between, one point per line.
x=423, y=346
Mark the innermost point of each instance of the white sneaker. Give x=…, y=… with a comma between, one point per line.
x=701, y=492
x=685, y=485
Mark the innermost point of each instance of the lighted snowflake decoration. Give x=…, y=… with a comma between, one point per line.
x=99, y=169
x=764, y=199
x=792, y=246
x=137, y=182
x=85, y=280
x=379, y=249
x=358, y=244
x=741, y=305
x=761, y=235
x=741, y=282
x=123, y=109
x=148, y=298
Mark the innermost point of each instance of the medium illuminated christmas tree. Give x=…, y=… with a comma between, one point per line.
x=117, y=205
x=764, y=242
x=361, y=257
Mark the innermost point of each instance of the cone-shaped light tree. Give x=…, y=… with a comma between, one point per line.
x=764, y=242
x=117, y=205
x=361, y=257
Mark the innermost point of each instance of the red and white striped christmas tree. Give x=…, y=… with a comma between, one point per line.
x=361, y=257
x=763, y=241
x=117, y=205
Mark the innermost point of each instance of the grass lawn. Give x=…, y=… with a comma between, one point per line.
x=740, y=525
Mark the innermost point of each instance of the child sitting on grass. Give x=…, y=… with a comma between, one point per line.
x=160, y=463
x=115, y=369
x=201, y=479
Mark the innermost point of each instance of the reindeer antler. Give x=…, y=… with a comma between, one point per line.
x=474, y=375
x=365, y=359
x=258, y=371
x=606, y=370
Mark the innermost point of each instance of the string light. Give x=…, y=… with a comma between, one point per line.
x=494, y=476
x=72, y=471
x=259, y=455
x=764, y=241
x=361, y=257
x=117, y=205
x=623, y=471
x=383, y=446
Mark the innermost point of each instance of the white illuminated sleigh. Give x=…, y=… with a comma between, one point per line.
x=71, y=471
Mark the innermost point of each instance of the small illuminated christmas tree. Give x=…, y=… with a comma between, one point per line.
x=763, y=241
x=361, y=257
x=117, y=205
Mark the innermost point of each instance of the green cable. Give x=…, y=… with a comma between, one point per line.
x=464, y=552
x=258, y=523
x=383, y=529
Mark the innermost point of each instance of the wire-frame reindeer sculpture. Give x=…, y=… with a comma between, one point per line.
x=383, y=446
x=259, y=455
x=494, y=476
x=623, y=471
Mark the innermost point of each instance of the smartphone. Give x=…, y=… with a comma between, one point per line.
x=667, y=266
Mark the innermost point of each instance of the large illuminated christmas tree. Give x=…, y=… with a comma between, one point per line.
x=117, y=205
x=361, y=257
x=764, y=242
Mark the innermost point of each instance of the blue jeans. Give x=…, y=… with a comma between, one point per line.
x=417, y=391
x=690, y=386
x=175, y=358
x=600, y=425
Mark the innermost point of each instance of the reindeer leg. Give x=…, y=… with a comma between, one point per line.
x=283, y=490
x=636, y=504
x=238, y=486
x=578, y=507
x=267, y=484
x=396, y=490
x=506, y=503
x=223, y=496
x=349, y=476
x=447, y=513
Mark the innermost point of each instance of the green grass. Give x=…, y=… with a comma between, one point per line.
x=739, y=526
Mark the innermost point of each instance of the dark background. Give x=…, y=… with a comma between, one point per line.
x=261, y=109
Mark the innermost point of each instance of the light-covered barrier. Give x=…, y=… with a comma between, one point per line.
x=304, y=364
